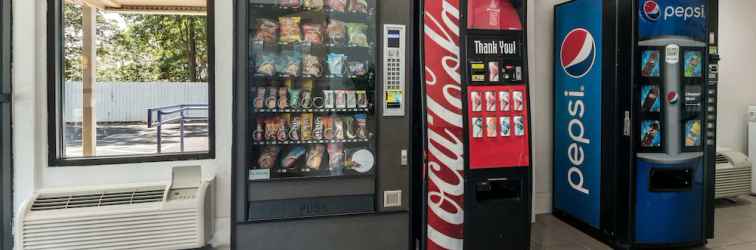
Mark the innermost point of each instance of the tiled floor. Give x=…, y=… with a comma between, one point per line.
x=735, y=229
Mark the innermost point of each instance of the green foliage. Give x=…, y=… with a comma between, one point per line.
x=147, y=48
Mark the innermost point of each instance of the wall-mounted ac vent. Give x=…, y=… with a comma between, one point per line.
x=177, y=215
x=98, y=198
x=733, y=174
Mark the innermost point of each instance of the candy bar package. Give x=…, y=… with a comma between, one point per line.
x=361, y=124
x=281, y=131
x=357, y=69
x=290, y=3
x=314, y=4
x=313, y=33
x=268, y=157
x=283, y=99
x=317, y=128
x=358, y=6
x=349, y=130
x=341, y=99
x=329, y=101
x=294, y=128
x=290, y=63
x=270, y=130
x=336, y=32
x=327, y=128
x=290, y=32
x=336, y=158
x=337, y=5
x=294, y=98
x=362, y=99
x=260, y=99
x=315, y=156
x=295, y=153
x=336, y=64
x=312, y=67
x=266, y=64
x=357, y=34
x=338, y=128
x=306, y=101
x=272, y=101
x=351, y=99
x=266, y=30
x=306, y=126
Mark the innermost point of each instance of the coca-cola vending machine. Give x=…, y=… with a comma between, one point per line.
x=477, y=170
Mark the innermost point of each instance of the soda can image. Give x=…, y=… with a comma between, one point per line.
x=490, y=101
x=493, y=71
x=505, y=102
x=491, y=127
x=505, y=126
x=519, y=124
x=477, y=127
x=519, y=102
x=477, y=101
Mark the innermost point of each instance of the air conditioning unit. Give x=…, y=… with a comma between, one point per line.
x=733, y=175
x=177, y=215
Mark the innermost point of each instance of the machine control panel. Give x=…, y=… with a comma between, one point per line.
x=394, y=65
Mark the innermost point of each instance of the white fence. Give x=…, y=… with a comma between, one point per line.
x=129, y=101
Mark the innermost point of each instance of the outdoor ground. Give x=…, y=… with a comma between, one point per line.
x=131, y=139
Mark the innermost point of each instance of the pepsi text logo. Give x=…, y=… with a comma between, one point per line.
x=651, y=10
x=578, y=53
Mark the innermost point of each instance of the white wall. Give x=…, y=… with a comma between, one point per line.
x=29, y=117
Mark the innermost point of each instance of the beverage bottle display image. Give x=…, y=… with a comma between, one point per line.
x=494, y=15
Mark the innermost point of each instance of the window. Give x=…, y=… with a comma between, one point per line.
x=129, y=81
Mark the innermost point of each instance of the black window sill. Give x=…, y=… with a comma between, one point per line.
x=115, y=160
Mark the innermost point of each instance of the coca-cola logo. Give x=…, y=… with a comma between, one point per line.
x=445, y=148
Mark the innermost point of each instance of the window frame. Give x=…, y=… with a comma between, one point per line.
x=55, y=109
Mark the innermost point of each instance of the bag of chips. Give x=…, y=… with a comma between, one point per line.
x=283, y=99
x=289, y=63
x=313, y=33
x=281, y=131
x=306, y=125
x=270, y=130
x=357, y=34
x=290, y=3
x=337, y=5
x=336, y=64
x=272, y=100
x=336, y=158
x=314, y=4
x=268, y=157
x=266, y=64
x=361, y=124
x=336, y=32
x=294, y=128
x=266, y=30
x=294, y=154
x=358, y=6
x=260, y=99
x=312, y=67
x=357, y=69
x=290, y=32
x=315, y=156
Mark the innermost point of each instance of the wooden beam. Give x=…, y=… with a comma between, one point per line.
x=88, y=63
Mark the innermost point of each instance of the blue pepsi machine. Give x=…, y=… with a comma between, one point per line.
x=635, y=120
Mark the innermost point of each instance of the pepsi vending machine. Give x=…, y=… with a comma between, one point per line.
x=635, y=120
x=477, y=176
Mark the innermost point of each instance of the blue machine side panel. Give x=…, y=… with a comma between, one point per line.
x=668, y=217
x=577, y=104
x=659, y=18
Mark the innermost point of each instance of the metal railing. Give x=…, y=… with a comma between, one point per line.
x=182, y=118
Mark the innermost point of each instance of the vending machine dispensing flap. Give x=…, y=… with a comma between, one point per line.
x=498, y=189
x=671, y=180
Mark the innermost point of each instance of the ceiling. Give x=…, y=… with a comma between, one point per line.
x=184, y=7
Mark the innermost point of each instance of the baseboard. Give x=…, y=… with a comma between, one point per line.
x=542, y=203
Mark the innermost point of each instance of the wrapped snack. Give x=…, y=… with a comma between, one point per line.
x=306, y=127
x=283, y=99
x=351, y=99
x=294, y=98
x=259, y=133
x=266, y=30
x=270, y=130
x=340, y=99
x=336, y=158
x=338, y=128
x=313, y=33
x=290, y=158
x=315, y=157
x=362, y=100
x=289, y=64
x=361, y=124
x=357, y=34
x=266, y=64
x=329, y=101
x=336, y=64
x=271, y=100
x=260, y=99
x=281, y=132
x=337, y=5
x=357, y=69
x=290, y=3
x=312, y=66
x=358, y=6
x=327, y=128
x=306, y=100
x=336, y=32
x=290, y=32
x=294, y=128
x=317, y=128
x=268, y=157
x=349, y=127
x=314, y=4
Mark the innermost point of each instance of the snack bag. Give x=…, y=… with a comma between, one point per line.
x=337, y=5
x=290, y=64
x=294, y=98
x=336, y=158
x=349, y=128
x=336, y=64
x=361, y=122
x=266, y=64
x=268, y=157
x=294, y=129
x=357, y=69
x=362, y=99
x=312, y=67
x=260, y=99
x=351, y=99
x=327, y=128
x=290, y=3
x=283, y=99
x=314, y=4
x=358, y=6
x=271, y=101
x=259, y=133
x=270, y=130
x=290, y=32
x=306, y=127
x=317, y=128
x=313, y=33
x=266, y=30
x=290, y=158
x=315, y=156
x=357, y=34
x=281, y=131
x=338, y=128
x=336, y=32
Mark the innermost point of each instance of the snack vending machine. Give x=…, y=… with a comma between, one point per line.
x=321, y=124
x=635, y=123
x=477, y=191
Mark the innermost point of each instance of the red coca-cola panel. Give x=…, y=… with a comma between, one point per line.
x=498, y=126
x=445, y=146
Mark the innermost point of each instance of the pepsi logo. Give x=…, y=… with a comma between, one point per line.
x=651, y=10
x=673, y=97
x=578, y=53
